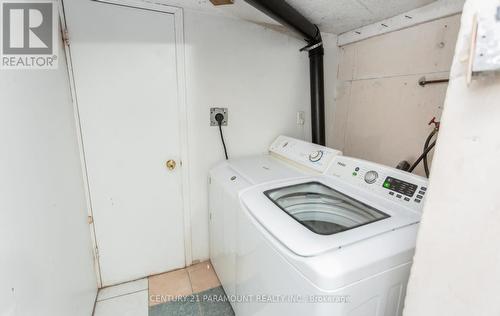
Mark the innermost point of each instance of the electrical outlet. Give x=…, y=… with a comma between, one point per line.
x=301, y=118
x=214, y=112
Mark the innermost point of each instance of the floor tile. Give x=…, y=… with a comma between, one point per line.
x=177, y=308
x=122, y=289
x=163, y=287
x=214, y=303
x=203, y=277
x=135, y=304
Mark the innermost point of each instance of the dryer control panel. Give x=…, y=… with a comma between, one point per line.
x=400, y=186
x=304, y=154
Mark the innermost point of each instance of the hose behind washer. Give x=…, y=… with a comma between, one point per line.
x=427, y=142
x=424, y=154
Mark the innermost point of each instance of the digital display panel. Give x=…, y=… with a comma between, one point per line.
x=400, y=186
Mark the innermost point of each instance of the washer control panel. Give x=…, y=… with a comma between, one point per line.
x=397, y=185
x=312, y=156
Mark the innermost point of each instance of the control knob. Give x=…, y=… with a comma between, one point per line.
x=316, y=156
x=371, y=177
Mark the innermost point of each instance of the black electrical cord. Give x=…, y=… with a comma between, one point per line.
x=426, y=151
x=427, y=142
x=219, y=118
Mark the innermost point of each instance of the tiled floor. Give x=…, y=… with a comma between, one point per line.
x=200, y=304
x=193, y=291
x=128, y=299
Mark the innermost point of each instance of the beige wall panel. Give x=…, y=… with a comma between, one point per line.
x=380, y=111
x=347, y=55
x=387, y=118
x=331, y=64
x=336, y=123
x=422, y=49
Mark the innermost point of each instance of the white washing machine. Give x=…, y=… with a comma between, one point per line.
x=337, y=241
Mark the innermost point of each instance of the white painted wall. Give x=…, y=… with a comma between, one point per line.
x=261, y=76
x=46, y=258
x=457, y=263
x=381, y=113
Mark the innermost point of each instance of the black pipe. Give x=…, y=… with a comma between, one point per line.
x=317, y=97
x=285, y=14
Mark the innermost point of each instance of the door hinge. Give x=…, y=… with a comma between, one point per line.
x=90, y=219
x=65, y=35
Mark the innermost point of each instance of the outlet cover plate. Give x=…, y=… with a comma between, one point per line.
x=214, y=112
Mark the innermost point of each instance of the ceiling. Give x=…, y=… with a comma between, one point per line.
x=339, y=16
x=332, y=16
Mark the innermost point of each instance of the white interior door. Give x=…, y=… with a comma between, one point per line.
x=124, y=62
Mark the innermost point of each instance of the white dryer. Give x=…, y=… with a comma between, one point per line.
x=336, y=241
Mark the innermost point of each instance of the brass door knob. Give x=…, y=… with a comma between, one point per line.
x=171, y=164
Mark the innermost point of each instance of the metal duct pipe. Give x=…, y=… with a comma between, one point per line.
x=317, y=96
x=285, y=14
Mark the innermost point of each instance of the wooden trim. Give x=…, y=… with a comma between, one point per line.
x=79, y=136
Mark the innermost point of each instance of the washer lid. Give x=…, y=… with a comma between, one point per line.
x=319, y=214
